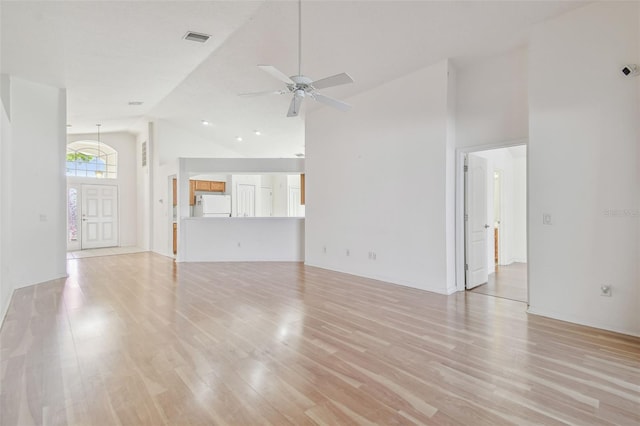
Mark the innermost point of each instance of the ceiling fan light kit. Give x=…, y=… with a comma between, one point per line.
x=301, y=86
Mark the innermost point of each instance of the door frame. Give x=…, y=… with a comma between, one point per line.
x=501, y=253
x=460, y=192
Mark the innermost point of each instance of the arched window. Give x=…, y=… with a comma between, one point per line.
x=92, y=159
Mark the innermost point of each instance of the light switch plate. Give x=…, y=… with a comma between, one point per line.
x=546, y=218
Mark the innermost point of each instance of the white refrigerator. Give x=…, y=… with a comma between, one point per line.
x=213, y=206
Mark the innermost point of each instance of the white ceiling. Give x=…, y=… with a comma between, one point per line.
x=109, y=53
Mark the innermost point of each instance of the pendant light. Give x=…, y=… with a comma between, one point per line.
x=99, y=173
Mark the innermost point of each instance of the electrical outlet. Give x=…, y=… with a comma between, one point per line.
x=605, y=290
x=238, y=243
x=370, y=255
x=324, y=249
x=348, y=253
x=546, y=218
x=373, y=255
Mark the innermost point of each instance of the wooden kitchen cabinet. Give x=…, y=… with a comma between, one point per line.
x=175, y=191
x=217, y=186
x=192, y=192
x=204, y=186
x=201, y=185
x=175, y=238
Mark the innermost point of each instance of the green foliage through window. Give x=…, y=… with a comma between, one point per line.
x=79, y=156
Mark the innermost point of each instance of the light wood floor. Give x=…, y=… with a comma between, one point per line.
x=107, y=251
x=509, y=282
x=138, y=340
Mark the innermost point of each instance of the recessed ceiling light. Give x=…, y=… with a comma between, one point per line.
x=239, y=138
x=257, y=132
x=206, y=123
x=135, y=103
x=197, y=37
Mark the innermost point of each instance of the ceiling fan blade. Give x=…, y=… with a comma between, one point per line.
x=332, y=102
x=270, y=69
x=268, y=92
x=294, y=106
x=334, y=80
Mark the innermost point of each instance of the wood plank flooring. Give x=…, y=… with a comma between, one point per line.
x=508, y=281
x=139, y=340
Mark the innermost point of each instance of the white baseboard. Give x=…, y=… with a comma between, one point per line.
x=582, y=321
x=383, y=279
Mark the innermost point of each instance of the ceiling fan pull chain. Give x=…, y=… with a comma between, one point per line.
x=299, y=37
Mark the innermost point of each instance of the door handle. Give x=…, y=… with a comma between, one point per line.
x=486, y=227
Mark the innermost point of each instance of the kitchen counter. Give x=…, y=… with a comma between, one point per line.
x=243, y=218
x=224, y=239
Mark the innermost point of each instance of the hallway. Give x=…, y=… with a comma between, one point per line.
x=508, y=282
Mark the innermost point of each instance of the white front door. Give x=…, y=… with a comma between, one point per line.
x=99, y=216
x=246, y=200
x=476, y=228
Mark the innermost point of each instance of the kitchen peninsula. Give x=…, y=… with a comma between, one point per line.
x=266, y=220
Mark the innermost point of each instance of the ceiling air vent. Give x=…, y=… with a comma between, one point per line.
x=200, y=38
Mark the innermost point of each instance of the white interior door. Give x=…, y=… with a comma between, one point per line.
x=99, y=216
x=266, y=201
x=246, y=196
x=477, y=228
x=294, y=202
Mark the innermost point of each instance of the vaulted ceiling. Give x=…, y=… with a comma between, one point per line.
x=107, y=54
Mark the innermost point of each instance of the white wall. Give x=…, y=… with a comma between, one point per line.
x=583, y=158
x=36, y=195
x=6, y=286
x=162, y=208
x=143, y=189
x=242, y=239
x=173, y=141
x=491, y=100
x=638, y=156
x=125, y=144
x=519, y=248
x=375, y=181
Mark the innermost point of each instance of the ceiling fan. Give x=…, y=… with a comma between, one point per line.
x=302, y=86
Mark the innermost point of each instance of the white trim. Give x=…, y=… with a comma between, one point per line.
x=580, y=321
x=382, y=279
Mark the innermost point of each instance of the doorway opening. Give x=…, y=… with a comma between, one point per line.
x=495, y=222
